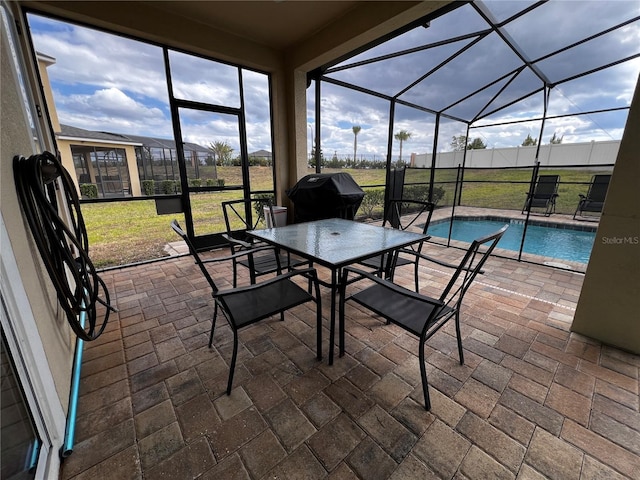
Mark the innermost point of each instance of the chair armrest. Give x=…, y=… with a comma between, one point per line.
x=305, y=272
x=438, y=262
x=387, y=284
x=412, y=251
x=243, y=253
x=236, y=241
x=430, y=259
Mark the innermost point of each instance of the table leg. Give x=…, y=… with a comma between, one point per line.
x=335, y=287
x=341, y=317
x=332, y=325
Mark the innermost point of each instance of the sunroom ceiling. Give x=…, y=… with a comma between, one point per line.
x=483, y=57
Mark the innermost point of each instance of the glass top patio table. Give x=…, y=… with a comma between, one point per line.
x=336, y=243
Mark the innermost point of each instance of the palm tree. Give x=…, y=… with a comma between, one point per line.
x=402, y=136
x=221, y=152
x=356, y=130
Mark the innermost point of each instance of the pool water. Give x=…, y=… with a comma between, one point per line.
x=548, y=241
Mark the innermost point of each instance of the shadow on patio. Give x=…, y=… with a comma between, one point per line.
x=532, y=400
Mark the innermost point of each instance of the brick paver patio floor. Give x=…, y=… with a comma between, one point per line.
x=532, y=400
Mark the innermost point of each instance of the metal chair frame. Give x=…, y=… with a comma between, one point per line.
x=247, y=305
x=544, y=195
x=416, y=313
x=242, y=211
x=593, y=201
x=396, y=216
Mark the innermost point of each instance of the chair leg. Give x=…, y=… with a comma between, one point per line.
x=310, y=281
x=213, y=323
x=423, y=375
x=386, y=267
x=460, y=352
x=232, y=367
x=235, y=274
x=415, y=275
x=318, y=330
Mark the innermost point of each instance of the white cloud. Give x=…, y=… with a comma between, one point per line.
x=86, y=57
x=111, y=101
x=111, y=110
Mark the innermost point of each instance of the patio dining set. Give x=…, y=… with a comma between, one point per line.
x=362, y=259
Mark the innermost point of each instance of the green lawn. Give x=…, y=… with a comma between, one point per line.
x=126, y=232
x=482, y=188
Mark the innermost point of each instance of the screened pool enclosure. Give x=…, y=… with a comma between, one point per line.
x=494, y=75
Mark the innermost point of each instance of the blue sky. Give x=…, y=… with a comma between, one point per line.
x=109, y=83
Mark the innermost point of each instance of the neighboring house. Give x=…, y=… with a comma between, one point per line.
x=262, y=155
x=157, y=158
x=105, y=159
x=116, y=163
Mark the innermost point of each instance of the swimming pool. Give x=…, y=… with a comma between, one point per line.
x=551, y=240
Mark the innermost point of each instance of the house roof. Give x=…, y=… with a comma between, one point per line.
x=119, y=138
x=155, y=142
x=90, y=135
x=261, y=153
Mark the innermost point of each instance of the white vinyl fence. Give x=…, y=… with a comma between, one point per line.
x=590, y=153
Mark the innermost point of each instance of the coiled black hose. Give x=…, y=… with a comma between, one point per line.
x=63, y=247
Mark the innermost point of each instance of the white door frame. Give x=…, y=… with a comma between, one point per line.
x=27, y=351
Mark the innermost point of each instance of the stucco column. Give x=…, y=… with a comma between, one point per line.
x=290, y=123
x=299, y=147
x=609, y=305
x=132, y=168
x=66, y=157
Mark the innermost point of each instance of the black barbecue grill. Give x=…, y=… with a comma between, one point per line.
x=325, y=195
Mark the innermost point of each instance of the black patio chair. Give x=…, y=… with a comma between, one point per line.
x=544, y=194
x=250, y=214
x=247, y=305
x=593, y=201
x=416, y=313
x=402, y=214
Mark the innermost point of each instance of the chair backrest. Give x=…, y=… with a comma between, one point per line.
x=402, y=214
x=470, y=266
x=246, y=214
x=194, y=253
x=546, y=186
x=598, y=188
